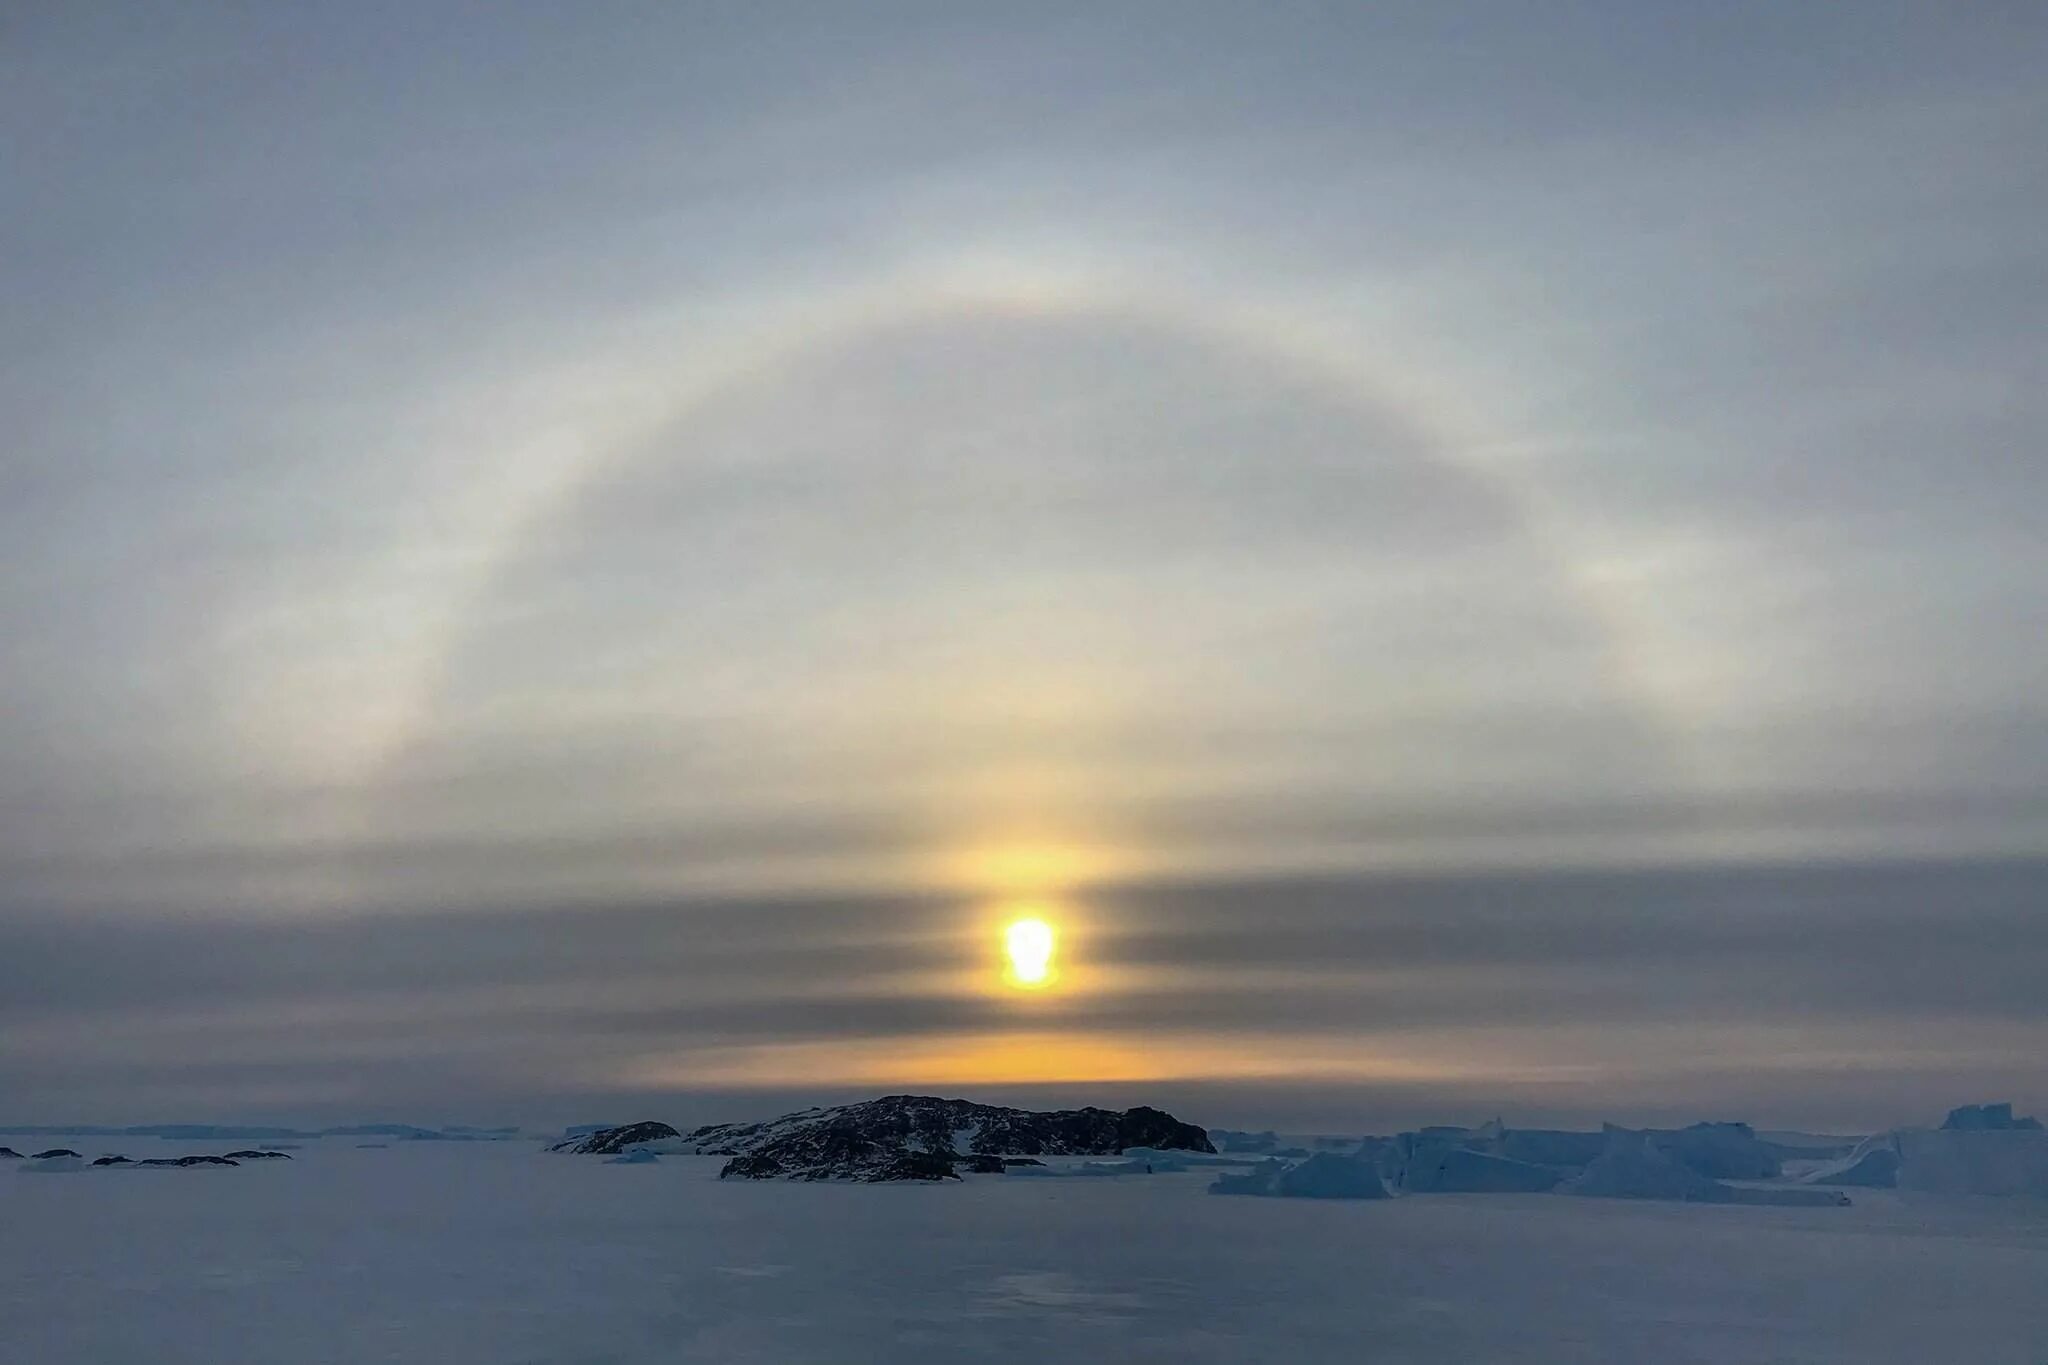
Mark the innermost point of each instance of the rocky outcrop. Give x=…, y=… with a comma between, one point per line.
x=839, y=1151
x=862, y=1164
x=223, y=1133
x=9, y=1154
x=64, y=1158
x=253, y=1155
x=612, y=1141
x=925, y=1123
x=919, y=1137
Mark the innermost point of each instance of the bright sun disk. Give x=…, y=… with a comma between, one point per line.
x=1029, y=945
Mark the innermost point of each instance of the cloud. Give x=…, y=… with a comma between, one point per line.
x=596, y=547
x=1435, y=981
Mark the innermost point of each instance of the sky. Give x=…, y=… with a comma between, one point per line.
x=580, y=561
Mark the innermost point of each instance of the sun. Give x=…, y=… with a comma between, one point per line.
x=1028, y=944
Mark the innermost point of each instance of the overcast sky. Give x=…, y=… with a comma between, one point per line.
x=586, y=557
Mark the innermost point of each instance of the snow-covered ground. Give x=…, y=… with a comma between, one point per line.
x=497, y=1252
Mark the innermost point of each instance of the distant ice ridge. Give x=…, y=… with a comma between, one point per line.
x=1981, y=1118
x=1873, y=1165
x=1963, y=1161
x=1979, y=1149
x=1693, y=1164
x=1081, y=1170
x=1630, y=1165
x=235, y=1132
x=1496, y=1159
x=1477, y=1160
x=1635, y=1167
x=1325, y=1175
x=52, y=1165
x=1177, y=1160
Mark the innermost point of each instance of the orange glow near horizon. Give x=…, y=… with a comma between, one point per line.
x=1038, y=1057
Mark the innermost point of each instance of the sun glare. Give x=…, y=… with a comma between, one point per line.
x=1029, y=944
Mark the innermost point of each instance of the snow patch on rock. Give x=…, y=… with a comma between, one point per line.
x=612, y=1141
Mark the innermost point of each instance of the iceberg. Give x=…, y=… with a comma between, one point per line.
x=1326, y=1175
x=1634, y=1166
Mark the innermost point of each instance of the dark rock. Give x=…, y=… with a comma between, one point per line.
x=825, y=1151
x=54, y=1151
x=981, y=1163
x=870, y=1166
x=928, y=1124
x=252, y=1155
x=1022, y=1161
x=612, y=1141
x=913, y=1166
x=868, y=1141
x=187, y=1161
x=9, y=1154
x=1144, y=1126
x=111, y=1161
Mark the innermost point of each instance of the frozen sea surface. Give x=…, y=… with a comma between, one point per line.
x=459, y=1253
